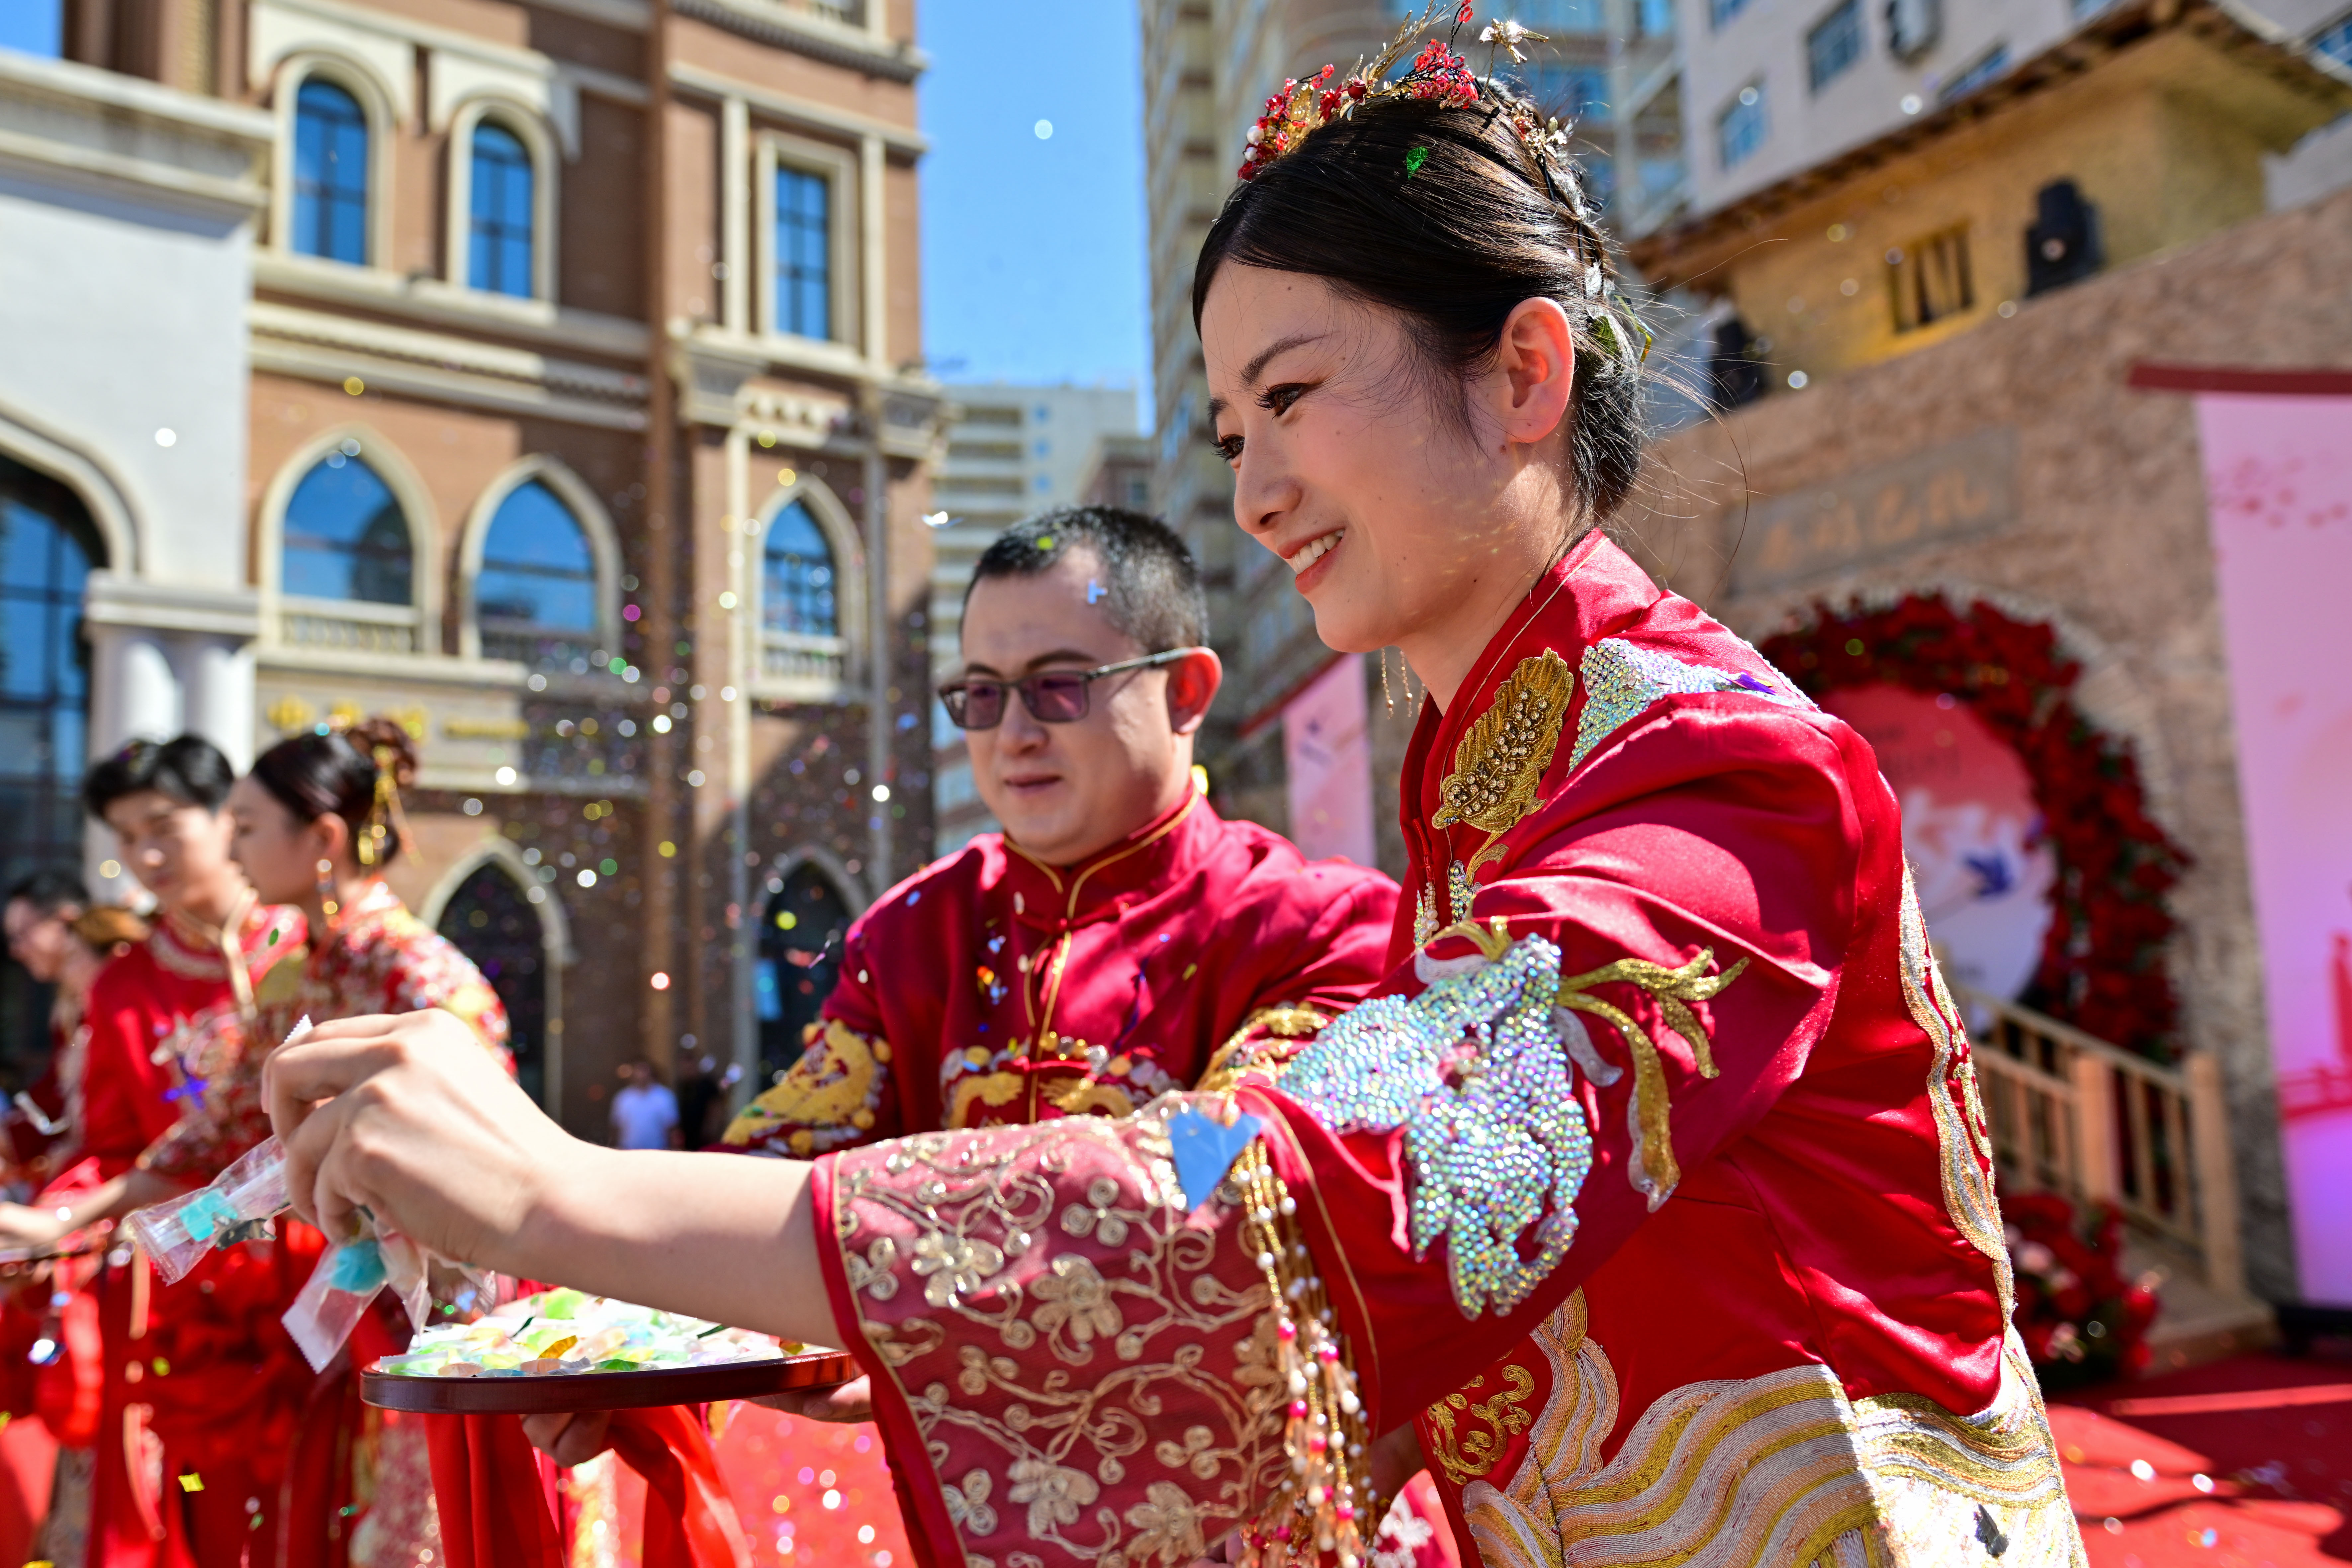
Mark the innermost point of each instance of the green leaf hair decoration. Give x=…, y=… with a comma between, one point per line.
x=1414, y=160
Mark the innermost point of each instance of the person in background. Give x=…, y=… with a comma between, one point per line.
x=645, y=1113
x=148, y=1013
x=39, y=917
x=317, y=822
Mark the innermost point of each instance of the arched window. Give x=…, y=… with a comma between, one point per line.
x=798, y=583
x=492, y=921
x=800, y=959
x=48, y=547
x=536, y=593
x=344, y=537
x=500, y=222
x=331, y=174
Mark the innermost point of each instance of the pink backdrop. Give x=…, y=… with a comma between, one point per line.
x=1329, y=762
x=2278, y=474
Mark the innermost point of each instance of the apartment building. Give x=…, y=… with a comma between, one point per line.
x=1774, y=86
x=1010, y=450
x=552, y=382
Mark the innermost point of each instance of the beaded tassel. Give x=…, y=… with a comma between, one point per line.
x=1316, y=1515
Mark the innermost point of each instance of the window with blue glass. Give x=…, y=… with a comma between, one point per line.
x=798, y=585
x=1573, y=91
x=2335, y=41
x=344, y=536
x=803, y=253
x=1740, y=128
x=331, y=174
x=535, y=596
x=1993, y=62
x=1835, y=44
x=501, y=208
x=1722, y=11
x=47, y=549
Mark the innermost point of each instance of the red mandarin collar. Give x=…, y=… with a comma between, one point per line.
x=1056, y=898
x=1594, y=590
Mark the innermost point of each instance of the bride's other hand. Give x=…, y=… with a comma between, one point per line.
x=410, y=1118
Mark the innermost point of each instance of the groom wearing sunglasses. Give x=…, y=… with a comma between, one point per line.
x=1118, y=931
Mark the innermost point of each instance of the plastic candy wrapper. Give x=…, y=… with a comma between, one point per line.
x=237, y=1207
x=563, y=1332
x=239, y=1204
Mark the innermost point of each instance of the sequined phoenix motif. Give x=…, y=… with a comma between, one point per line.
x=1477, y=1071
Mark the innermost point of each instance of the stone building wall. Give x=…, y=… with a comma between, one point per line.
x=2082, y=503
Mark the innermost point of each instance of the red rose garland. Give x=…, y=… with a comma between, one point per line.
x=2101, y=967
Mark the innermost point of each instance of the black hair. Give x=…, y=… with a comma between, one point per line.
x=315, y=775
x=49, y=891
x=188, y=769
x=1447, y=216
x=1153, y=589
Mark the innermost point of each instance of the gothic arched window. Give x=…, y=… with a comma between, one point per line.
x=799, y=584
x=536, y=593
x=344, y=536
x=331, y=174
x=490, y=920
x=800, y=960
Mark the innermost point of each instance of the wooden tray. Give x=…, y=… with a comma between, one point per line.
x=605, y=1390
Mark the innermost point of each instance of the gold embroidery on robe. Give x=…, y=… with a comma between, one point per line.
x=987, y=1088
x=833, y=1088
x=1261, y=1044
x=1653, y=1169
x=1488, y=1425
x=1960, y=1128
x=1081, y=1096
x=1776, y=1469
x=1500, y=761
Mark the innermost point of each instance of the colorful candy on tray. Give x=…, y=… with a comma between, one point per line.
x=566, y=1331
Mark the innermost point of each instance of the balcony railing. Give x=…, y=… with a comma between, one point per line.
x=813, y=667
x=348, y=625
x=2074, y=1115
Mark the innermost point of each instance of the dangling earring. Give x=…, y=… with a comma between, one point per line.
x=1387, y=696
x=327, y=895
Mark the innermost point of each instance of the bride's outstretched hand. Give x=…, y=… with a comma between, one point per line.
x=410, y=1118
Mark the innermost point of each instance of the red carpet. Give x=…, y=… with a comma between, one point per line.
x=2246, y=1463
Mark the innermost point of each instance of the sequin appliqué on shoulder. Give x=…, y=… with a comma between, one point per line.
x=1621, y=680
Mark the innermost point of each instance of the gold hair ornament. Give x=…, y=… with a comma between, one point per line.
x=1438, y=75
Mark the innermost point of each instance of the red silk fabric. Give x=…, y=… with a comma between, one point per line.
x=496, y=1509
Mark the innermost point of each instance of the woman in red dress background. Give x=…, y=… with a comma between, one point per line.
x=318, y=821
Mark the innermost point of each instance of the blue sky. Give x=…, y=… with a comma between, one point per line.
x=30, y=25
x=1033, y=247
x=1034, y=250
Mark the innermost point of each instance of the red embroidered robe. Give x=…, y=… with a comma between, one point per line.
x=989, y=987
x=346, y=1486
x=146, y=1008
x=1655, y=1188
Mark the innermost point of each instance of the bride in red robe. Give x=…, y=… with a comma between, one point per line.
x=1653, y=1193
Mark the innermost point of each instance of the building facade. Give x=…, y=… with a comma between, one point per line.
x=1774, y=86
x=1984, y=320
x=575, y=416
x=1010, y=450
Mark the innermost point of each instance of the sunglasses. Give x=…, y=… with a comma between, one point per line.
x=1053, y=696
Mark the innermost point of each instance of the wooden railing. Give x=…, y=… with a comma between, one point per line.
x=2074, y=1115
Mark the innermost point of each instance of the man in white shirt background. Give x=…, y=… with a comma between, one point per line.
x=645, y=1113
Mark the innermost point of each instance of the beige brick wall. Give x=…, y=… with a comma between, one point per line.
x=2103, y=535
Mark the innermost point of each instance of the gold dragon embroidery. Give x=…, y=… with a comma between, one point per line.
x=1654, y=1170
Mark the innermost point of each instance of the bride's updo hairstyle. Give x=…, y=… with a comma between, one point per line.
x=355, y=773
x=1444, y=213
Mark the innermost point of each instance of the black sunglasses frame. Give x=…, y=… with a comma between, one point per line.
x=1026, y=685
